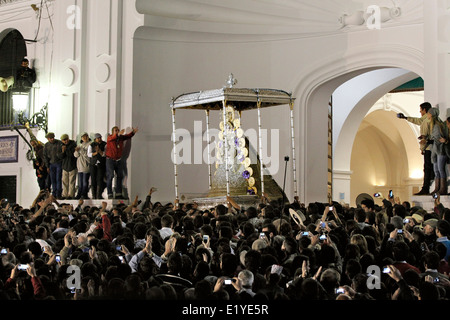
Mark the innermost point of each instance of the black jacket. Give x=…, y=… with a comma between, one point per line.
x=69, y=162
x=98, y=160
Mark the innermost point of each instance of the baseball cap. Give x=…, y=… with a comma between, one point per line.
x=97, y=135
x=431, y=222
x=418, y=218
x=64, y=136
x=50, y=135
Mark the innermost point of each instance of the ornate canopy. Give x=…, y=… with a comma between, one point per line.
x=241, y=98
x=228, y=100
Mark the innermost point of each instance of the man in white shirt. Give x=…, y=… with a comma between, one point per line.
x=147, y=251
x=166, y=226
x=42, y=236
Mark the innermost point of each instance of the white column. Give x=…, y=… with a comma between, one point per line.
x=174, y=138
x=225, y=145
x=436, y=53
x=294, y=169
x=208, y=148
x=260, y=146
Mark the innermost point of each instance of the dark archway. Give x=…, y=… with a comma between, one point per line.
x=12, y=50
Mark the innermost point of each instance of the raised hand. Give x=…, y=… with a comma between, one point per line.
x=148, y=245
x=316, y=276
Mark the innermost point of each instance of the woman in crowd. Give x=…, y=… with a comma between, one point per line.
x=439, y=151
x=83, y=166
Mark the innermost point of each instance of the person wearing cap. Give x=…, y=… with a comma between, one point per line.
x=429, y=226
x=114, y=161
x=52, y=148
x=429, y=230
x=81, y=153
x=96, y=153
x=413, y=221
x=69, y=167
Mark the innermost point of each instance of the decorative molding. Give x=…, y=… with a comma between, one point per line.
x=387, y=101
x=365, y=57
x=12, y=11
x=2, y=2
x=5, y=2
x=342, y=174
x=301, y=18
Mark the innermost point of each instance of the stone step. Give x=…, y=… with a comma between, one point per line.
x=96, y=202
x=427, y=202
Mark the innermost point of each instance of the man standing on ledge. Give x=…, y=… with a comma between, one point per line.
x=425, y=147
x=114, y=161
x=53, y=163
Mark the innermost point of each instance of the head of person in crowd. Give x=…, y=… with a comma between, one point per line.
x=443, y=229
x=85, y=137
x=368, y=205
x=98, y=137
x=399, y=210
x=429, y=226
x=50, y=137
x=65, y=138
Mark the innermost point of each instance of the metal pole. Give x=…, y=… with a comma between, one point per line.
x=174, y=152
x=225, y=130
x=209, y=155
x=260, y=146
x=291, y=106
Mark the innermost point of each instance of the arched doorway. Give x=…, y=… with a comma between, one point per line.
x=314, y=91
x=354, y=99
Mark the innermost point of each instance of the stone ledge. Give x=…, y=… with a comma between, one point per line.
x=244, y=201
x=96, y=202
x=427, y=202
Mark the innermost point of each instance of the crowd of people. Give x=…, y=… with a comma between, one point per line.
x=275, y=251
x=70, y=169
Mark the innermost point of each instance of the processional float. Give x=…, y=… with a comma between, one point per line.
x=232, y=172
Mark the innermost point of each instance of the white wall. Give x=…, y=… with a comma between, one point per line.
x=179, y=61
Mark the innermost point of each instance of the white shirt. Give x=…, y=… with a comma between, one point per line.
x=43, y=243
x=165, y=232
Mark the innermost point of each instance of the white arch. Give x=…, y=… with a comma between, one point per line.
x=376, y=86
x=315, y=87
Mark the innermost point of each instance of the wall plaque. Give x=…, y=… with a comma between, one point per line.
x=9, y=149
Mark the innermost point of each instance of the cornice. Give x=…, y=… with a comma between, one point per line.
x=277, y=17
x=6, y=2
